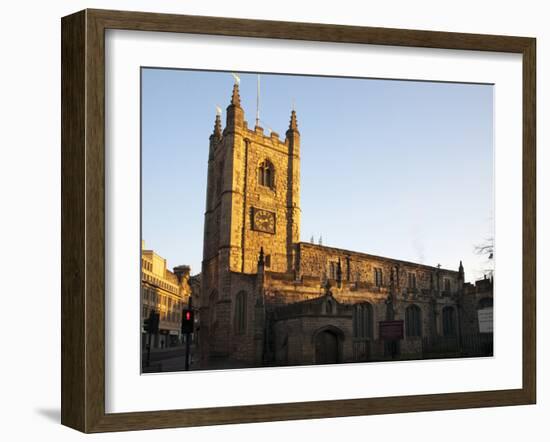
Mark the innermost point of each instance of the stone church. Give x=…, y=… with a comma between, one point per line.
x=266, y=298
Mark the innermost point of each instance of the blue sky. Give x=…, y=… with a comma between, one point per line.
x=402, y=169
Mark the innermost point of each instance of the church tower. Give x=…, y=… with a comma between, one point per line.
x=253, y=196
x=252, y=204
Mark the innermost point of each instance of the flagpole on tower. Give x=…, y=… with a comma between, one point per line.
x=258, y=102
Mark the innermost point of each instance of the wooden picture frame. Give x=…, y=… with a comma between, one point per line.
x=83, y=220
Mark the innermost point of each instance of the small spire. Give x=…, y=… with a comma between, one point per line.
x=293, y=121
x=218, y=126
x=235, y=97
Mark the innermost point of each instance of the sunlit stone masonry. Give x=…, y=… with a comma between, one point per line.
x=266, y=298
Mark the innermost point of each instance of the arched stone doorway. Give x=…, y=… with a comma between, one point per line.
x=328, y=345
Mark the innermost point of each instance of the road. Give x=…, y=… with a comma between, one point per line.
x=164, y=360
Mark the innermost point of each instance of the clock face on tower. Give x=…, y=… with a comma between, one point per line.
x=263, y=220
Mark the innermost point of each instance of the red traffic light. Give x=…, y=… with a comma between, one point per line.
x=187, y=321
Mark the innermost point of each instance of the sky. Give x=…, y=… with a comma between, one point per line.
x=402, y=169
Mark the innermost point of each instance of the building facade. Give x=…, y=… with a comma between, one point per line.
x=269, y=299
x=165, y=292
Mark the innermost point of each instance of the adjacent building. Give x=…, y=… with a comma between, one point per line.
x=166, y=292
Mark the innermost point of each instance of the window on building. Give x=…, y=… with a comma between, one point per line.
x=362, y=320
x=413, y=321
x=378, y=277
x=333, y=270
x=266, y=174
x=240, y=312
x=396, y=275
x=447, y=285
x=412, y=280
x=449, y=323
x=267, y=260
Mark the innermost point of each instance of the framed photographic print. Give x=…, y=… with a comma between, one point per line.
x=275, y=220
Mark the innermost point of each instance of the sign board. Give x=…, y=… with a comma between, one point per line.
x=485, y=320
x=391, y=330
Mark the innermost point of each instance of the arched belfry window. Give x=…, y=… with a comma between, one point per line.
x=413, y=321
x=240, y=313
x=362, y=320
x=266, y=174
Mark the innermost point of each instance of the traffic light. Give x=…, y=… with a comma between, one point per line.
x=147, y=325
x=187, y=321
x=154, y=321
x=151, y=324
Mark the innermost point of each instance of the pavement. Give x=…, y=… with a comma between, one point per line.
x=166, y=359
x=173, y=359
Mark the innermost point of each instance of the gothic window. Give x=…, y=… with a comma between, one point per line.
x=362, y=320
x=447, y=283
x=413, y=323
x=267, y=261
x=449, y=321
x=378, y=277
x=412, y=280
x=333, y=270
x=240, y=313
x=266, y=174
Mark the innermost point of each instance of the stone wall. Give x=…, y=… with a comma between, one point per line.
x=473, y=295
x=315, y=260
